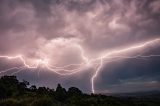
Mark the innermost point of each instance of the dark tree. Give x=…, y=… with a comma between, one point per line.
x=10, y=80
x=23, y=85
x=60, y=93
x=42, y=90
x=3, y=90
x=9, y=85
x=33, y=88
x=74, y=91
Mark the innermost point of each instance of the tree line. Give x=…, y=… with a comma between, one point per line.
x=18, y=93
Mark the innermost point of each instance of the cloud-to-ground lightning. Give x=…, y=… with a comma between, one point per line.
x=100, y=61
x=95, y=75
x=111, y=54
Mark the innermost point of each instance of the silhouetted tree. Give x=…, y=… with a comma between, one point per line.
x=9, y=85
x=22, y=86
x=74, y=91
x=60, y=93
x=42, y=90
x=2, y=90
x=10, y=80
x=33, y=88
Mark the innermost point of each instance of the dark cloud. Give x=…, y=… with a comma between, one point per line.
x=130, y=73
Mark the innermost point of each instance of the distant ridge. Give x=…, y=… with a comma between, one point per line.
x=144, y=94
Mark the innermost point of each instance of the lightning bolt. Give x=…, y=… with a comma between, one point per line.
x=7, y=70
x=19, y=70
x=107, y=56
x=128, y=49
x=95, y=75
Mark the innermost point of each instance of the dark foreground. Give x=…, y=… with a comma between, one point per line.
x=15, y=93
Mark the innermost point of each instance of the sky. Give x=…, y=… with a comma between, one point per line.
x=99, y=46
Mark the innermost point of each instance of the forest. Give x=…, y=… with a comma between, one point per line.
x=20, y=93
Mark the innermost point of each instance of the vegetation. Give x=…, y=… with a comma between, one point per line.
x=15, y=93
